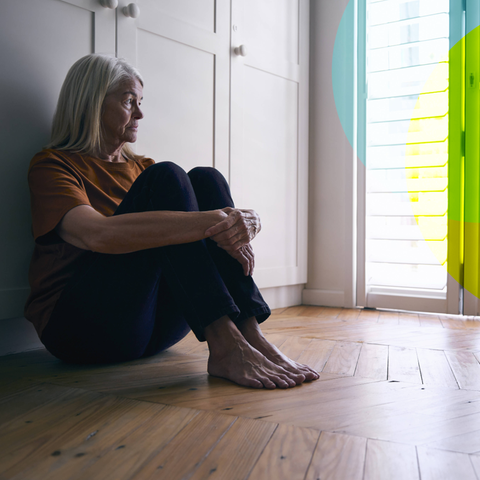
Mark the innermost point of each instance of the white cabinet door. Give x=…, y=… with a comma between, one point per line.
x=40, y=40
x=181, y=48
x=269, y=131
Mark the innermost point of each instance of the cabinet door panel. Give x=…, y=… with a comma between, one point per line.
x=269, y=172
x=184, y=59
x=198, y=13
x=269, y=125
x=40, y=40
x=272, y=26
x=179, y=118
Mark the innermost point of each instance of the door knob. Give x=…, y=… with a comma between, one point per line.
x=109, y=3
x=131, y=10
x=241, y=50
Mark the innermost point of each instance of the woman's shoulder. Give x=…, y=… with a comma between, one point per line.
x=50, y=155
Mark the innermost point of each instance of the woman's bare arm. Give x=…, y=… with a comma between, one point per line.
x=85, y=228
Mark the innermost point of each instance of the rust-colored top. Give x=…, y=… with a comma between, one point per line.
x=60, y=181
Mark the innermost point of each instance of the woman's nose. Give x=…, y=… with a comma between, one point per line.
x=138, y=112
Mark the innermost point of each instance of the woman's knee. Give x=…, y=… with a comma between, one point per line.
x=206, y=174
x=211, y=188
x=166, y=170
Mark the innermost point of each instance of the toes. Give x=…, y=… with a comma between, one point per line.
x=289, y=381
x=298, y=378
x=293, y=374
x=309, y=373
x=252, y=382
x=304, y=371
x=283, y=382
x=267, y=383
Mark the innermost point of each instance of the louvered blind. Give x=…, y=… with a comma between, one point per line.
x=407, y=147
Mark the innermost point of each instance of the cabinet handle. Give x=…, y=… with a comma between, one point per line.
x=109, y=3
x=241, y=50
x=131, y=10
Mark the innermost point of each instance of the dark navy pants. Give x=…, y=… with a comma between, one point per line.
x=122, y=307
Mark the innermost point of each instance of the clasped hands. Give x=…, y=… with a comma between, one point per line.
x=234, y=234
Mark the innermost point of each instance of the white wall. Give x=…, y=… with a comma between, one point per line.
x=330, y=240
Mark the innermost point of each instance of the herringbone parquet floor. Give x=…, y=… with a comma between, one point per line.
x=398, y=398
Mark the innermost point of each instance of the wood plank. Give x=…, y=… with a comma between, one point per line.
x=330, y=312
x=388, y=318
x=22, y=437
x=121, y=377
x=475, y=459
x=435, y=369
x=390, y=460
x=459, y=322
x=464, y=443
x=465, y=368
x=409, y=319
x=312, y=311
x=373, y=362
x=140, y=448
x=349, y=314
x=182, y=456
x=101, y=437
x=442, y=465
x=430, y=321
x=23, y=398
x=287, y=455
x=294, y=311
x=369, y=315
x=403, y=365
x=316, y=354
x=338, y=457
x=237, y=451
x=343, y=358
x=278, y=311
x=294, y=346
x=276, y=339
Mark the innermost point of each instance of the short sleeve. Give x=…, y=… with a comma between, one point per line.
x=54, y=190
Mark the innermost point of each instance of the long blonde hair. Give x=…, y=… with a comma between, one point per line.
x=77, y=120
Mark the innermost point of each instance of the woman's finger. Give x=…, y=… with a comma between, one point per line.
x=231, y=235
x=222, y=226
x=245, y=264
x=252, y=258
x=235, y=242
x=249, y=255
x=238, y=222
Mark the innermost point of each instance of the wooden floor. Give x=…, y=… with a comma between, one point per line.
x=398, y=398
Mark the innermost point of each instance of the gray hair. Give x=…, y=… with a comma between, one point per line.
x=77, y=120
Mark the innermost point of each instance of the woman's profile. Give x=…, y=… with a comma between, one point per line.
x=130, y=255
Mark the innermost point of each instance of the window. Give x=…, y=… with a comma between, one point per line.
x=404, y=121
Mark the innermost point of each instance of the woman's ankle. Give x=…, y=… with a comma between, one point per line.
x=222, y=335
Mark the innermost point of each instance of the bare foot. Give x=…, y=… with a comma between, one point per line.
x=252, y=333
x=233, y=358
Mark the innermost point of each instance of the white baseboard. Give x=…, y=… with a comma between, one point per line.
x=281, y=297
x=324, y=298
x=17, y=335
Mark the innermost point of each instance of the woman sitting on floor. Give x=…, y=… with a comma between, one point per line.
x=130, y=255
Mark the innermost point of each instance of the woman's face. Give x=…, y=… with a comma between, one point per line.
x=121, y=113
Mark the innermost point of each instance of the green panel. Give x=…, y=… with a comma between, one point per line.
x=472, y=180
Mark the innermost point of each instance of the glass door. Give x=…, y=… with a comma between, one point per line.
x=403, y=129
